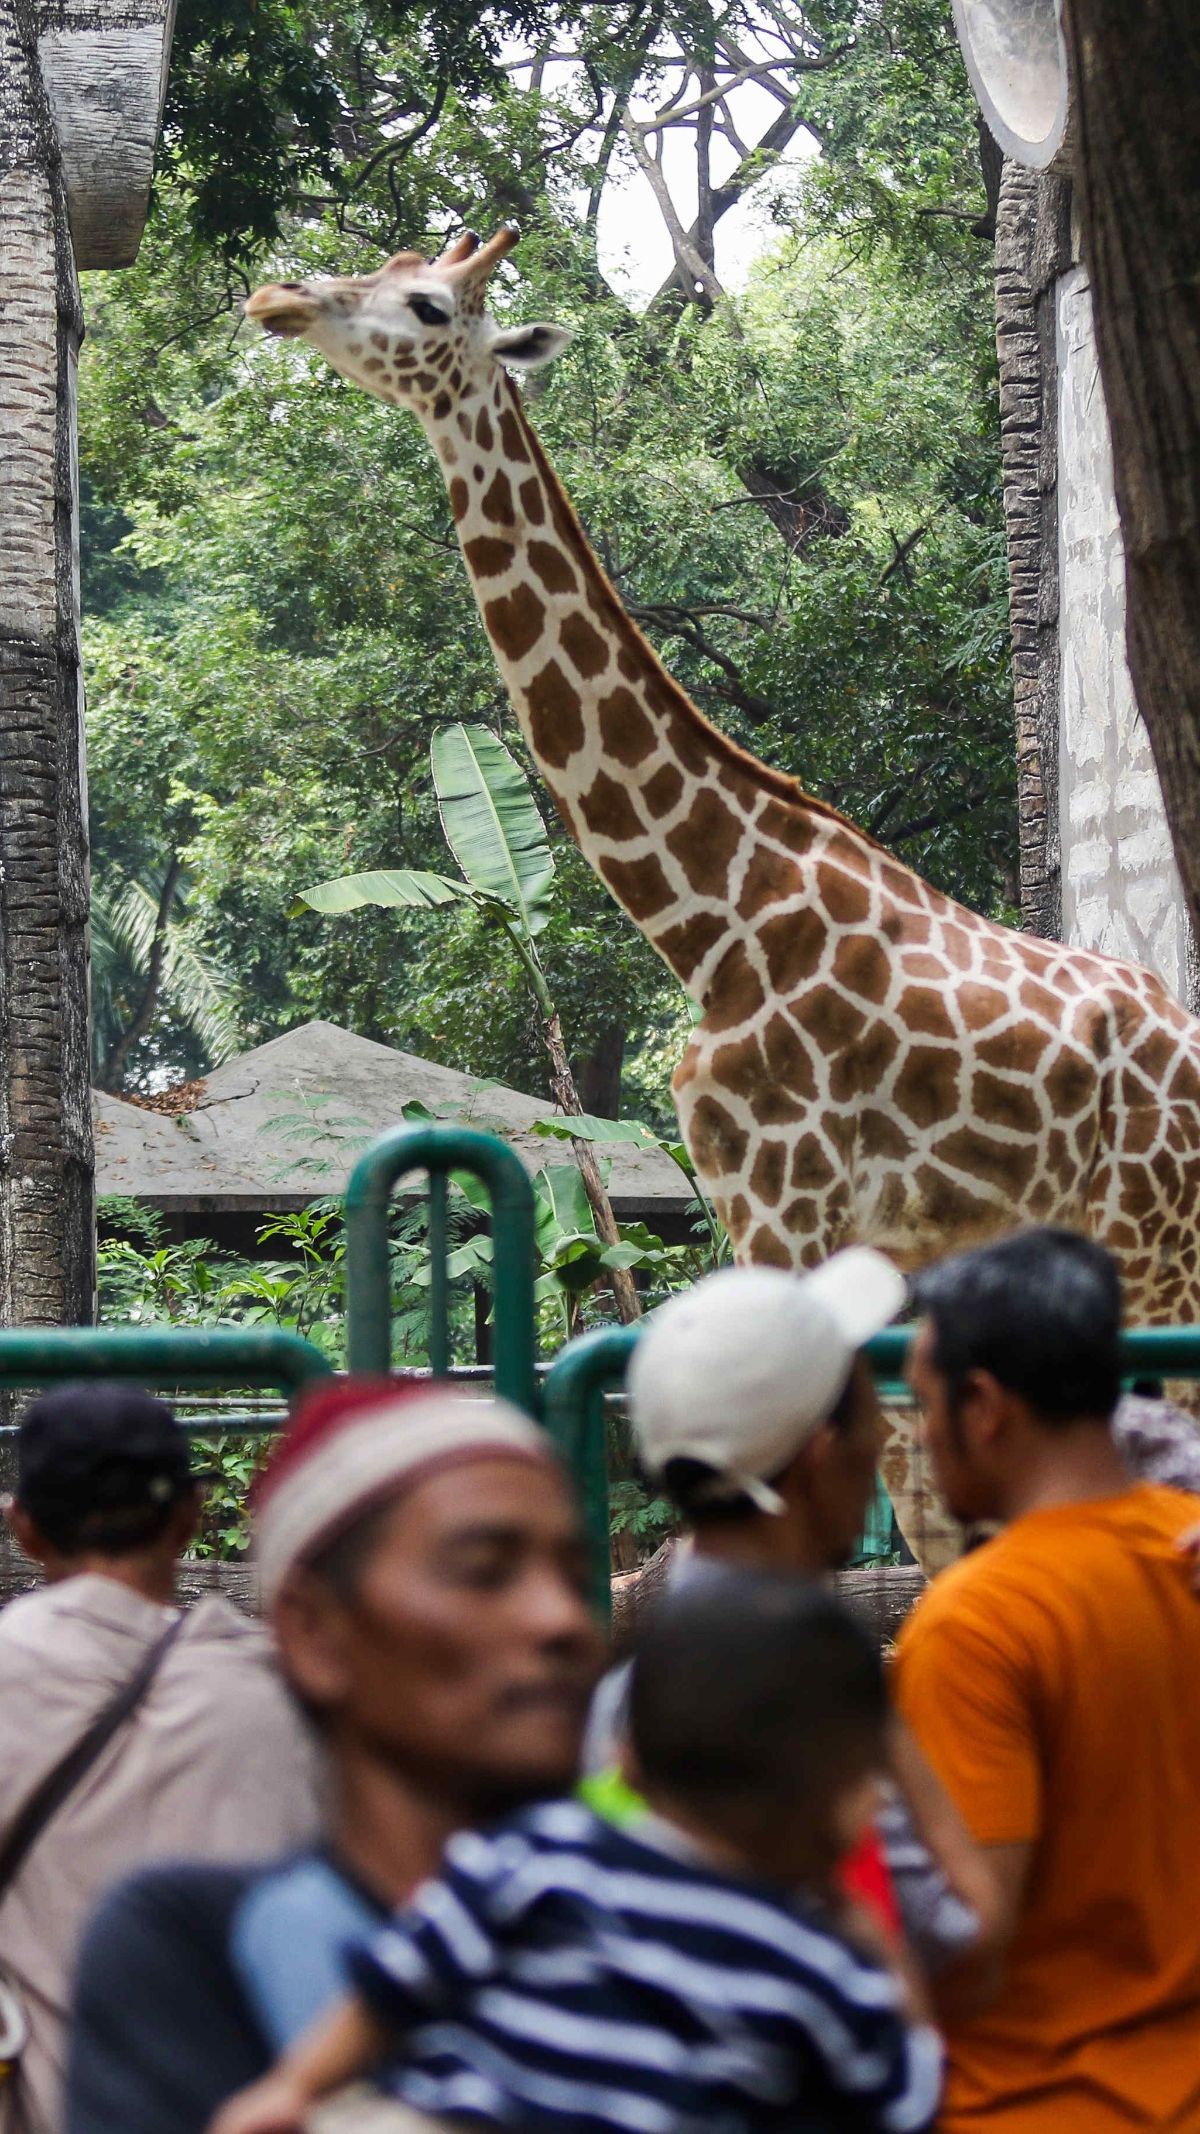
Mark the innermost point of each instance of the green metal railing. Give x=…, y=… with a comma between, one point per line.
x=571, y=1399
x=573, y=1412
x=177, y=1356
x=441, y=1150
x=594, y=1365
x=164, y=1356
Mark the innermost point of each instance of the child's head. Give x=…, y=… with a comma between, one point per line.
x=757, y=1717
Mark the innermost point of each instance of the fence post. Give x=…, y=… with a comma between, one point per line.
x=441, y=1149
x=573, y=1412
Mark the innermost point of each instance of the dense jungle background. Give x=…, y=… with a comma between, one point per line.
x=792, y=473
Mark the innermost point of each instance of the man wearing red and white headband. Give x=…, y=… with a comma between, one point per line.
x=423, y=1568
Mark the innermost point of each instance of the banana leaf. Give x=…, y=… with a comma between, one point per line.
x=491, y=822
x=396, y=888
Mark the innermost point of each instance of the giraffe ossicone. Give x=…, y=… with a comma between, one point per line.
x=874, y=1062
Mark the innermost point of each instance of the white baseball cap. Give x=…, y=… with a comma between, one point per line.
x=739, y=1371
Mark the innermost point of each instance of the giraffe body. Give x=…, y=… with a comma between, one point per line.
x=874, y=1062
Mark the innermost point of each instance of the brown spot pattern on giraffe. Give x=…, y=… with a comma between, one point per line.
x=687, y=944
x=511, y=437
x=884, y=1135
x=863, y=967
x=926, y=1013
x=533, y=503
x=625, y=730
x=788, y=826
x=555, y=716
x=769, y=1171
x=735, y=992
x=497, y=501
x=662, y=791
x=1005, y=1103
x=831, y=1019
x=793, y=945
x=1070, y=1082
x=488, y=556
x=515, y=621
x=607, y=809
x=1007, y=1165
x=551, y=566
x=719, y=1144
x=705, y=841
x=769, y=877
x=845, y=897
x=583, y=645
x=927, y=1085
x=789, y=1060
x=640, y=885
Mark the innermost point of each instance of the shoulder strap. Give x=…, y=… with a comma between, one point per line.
x=63, y=1777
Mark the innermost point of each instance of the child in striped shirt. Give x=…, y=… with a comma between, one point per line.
x=694, y=1970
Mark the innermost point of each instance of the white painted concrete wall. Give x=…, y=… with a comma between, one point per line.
x=1120, y=887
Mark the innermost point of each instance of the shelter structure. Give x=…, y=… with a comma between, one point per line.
x=1097, y=866
x=283, y=1125
x=81, y=92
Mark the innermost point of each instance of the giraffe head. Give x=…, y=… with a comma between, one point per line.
x=416, y=332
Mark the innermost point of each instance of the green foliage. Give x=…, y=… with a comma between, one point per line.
x=491, y=823
x=278, y=619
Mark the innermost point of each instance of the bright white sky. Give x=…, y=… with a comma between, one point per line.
x=634, y=248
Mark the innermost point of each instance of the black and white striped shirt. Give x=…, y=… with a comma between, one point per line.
x=561, y=1973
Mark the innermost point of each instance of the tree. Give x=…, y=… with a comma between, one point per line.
x=492, y=826
x=275, y=583
x=145, y=968
x=46, y=1157
x=1137, y=184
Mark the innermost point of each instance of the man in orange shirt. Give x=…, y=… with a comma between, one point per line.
x=1052, y=1679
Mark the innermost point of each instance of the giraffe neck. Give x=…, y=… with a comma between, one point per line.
x=668, y=811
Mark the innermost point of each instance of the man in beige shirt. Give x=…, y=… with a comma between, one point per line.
x=214, y=1763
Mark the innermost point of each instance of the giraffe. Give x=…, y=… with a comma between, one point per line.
x=874, y=1062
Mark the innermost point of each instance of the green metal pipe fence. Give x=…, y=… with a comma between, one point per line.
x=441, y=1150
x=571, y=1397
x=176, y=1356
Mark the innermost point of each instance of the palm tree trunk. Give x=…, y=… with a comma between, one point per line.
x=46, y=1155
x=1137, y=191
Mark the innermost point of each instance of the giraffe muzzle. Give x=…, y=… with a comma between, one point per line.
x=281, y=309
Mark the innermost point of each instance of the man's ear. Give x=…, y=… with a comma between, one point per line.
x=26, y=1535
x=529, y=347
x=311, y=1639
x=985, y=1406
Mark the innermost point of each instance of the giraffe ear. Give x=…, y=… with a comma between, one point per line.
x=528, y=347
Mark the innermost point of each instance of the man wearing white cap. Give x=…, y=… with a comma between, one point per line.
x=753, y=1407
x=423, y=1567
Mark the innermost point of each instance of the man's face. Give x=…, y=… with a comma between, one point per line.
x=841, y=1482
x=465, y=1653
x=947, y=1435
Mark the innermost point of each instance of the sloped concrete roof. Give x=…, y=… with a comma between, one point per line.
x=285, y=1124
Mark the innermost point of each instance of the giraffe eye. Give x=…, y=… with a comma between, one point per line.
x=429, y=313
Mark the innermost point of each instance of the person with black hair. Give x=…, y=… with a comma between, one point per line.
x=210, y=1757
x=1051, y=1677
x=692, y=1969
x=754, y=1410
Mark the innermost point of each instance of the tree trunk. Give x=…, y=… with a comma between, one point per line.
x=619, y=1279
x=46, y=1154
x=599, y=1077
x=1137, y=191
